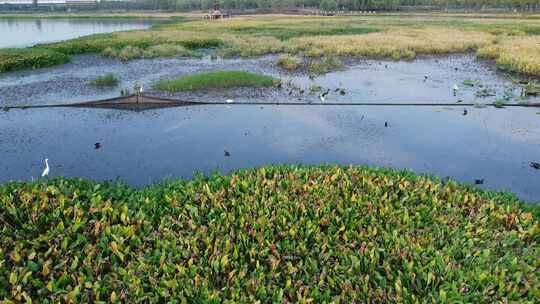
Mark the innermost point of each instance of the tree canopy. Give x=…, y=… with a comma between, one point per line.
x=521, y=5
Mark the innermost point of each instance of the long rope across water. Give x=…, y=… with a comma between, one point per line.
x=157, y=102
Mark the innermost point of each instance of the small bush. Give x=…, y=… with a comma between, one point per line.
x=325, y=65
x=289, y=62
x=107, y=80
x=211, y=80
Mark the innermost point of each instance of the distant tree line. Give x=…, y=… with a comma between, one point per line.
x=324, y=5
x=350, y=5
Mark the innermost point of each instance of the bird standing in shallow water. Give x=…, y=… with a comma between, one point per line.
x=47, y=169
x=455, y=89
x=465, y=112
x=322, y=96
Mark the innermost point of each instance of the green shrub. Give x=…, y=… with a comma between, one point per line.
x=212, y=80
x=278, y=234
x=30, y=58
x=107, y=80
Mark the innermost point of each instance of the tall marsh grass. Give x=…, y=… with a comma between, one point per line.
x=511, y=41
x=518, y=54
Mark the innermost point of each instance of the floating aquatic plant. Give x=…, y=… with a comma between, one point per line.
x=276, y=234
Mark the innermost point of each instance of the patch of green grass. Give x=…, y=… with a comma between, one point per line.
x=107, y=80
x=214, y=80
x=469, y=83
x=285, y=33
x=509, y=40
x=499, y=103
x=275, y=234
x=30, y=58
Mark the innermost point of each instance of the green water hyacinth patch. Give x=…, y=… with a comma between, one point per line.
x=275, y=234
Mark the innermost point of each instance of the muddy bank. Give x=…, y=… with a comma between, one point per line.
x=426, y=80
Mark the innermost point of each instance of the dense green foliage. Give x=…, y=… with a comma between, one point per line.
x=107, y=80
x=17, y=59
x=279, y=234
x=212, y=80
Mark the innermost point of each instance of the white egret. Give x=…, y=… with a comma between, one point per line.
x=455, y=89
x=229, y=101
x=47, y=169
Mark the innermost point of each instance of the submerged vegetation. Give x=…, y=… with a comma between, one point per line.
x=512, y=42
x=213, y=80
x=107, y=80
x=277, y=234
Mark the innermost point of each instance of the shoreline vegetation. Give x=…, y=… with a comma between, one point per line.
x=214, y=80
x=273, y=234
x=511, y=43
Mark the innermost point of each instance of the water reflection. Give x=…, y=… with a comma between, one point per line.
x=145, y=147
x=27, y=32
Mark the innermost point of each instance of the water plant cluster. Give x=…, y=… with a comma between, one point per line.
x=512, y=42
x=18, y=59
x=274, y=234
x=214, y=80
x=107, y=80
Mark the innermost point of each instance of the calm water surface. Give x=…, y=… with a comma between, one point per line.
x=140, y=148
x=28, y=32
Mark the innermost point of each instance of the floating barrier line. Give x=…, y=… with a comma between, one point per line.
x=157, y=101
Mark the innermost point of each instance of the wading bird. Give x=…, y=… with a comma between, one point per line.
x=46, y=171
x=322, y=96
x=455, y=89
x=229, y=101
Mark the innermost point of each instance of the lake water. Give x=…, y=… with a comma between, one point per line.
x=140, y=148
x=489, y=144
x=28, y=32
